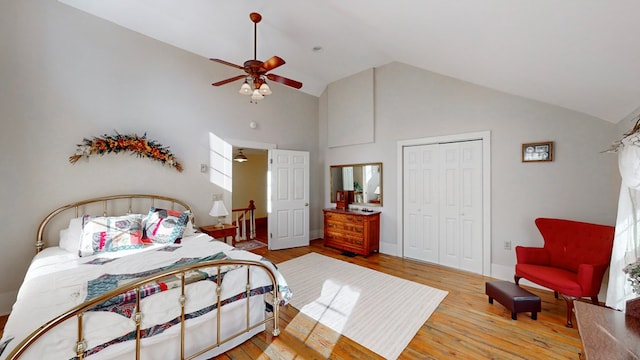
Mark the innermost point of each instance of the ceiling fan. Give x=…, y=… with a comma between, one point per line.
x=257, y=71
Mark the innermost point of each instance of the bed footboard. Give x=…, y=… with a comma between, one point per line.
x=271, y=292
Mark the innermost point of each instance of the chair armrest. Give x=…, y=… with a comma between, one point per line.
x=532, y=255
x=590, y=278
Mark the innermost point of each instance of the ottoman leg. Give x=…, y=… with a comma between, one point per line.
x=490, y=300
x=534, y=315
x=514, y=316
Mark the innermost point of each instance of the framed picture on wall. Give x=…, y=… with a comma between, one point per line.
x=540, y=151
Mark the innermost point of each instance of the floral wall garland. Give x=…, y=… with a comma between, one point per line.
x=139, y=145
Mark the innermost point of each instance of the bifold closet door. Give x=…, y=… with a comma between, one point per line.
x=443, y=204
x=421, y=202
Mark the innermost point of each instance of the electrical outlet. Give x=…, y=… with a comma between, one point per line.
x=217, y=197
x=204, y=168
x=507, y=245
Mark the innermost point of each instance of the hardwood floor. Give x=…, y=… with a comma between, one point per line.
x=464, y=326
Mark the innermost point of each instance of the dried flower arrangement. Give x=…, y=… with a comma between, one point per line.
x=139, y=145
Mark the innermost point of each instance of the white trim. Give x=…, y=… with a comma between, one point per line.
x=245, y=144
x=485, y=136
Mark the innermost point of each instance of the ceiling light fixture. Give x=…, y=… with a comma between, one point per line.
x=240, y=157
x=257, y=72
x=259, y=90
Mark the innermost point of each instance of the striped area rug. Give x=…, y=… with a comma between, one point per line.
x=376, y=310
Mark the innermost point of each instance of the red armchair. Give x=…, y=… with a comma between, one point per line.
x=572, y=262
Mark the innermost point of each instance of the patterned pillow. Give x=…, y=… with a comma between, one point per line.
x=101, y=234
x=165, y=226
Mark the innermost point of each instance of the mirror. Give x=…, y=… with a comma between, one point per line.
x=365, y=180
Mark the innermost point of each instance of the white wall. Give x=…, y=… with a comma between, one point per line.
x=66, y=75
x=250, y=183
x=581, y=183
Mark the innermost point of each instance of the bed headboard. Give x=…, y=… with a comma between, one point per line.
x=105, y=206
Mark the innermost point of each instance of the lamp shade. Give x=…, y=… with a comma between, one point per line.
x=218, y=209
x=245, y=89
x=240, y=157
x=264, y=89
x=256, y=95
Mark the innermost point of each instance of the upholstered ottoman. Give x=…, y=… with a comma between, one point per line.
x=514, y=298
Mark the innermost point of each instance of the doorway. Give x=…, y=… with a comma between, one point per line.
x=278, y=182
x=444, y=207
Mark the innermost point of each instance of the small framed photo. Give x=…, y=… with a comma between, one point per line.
x=540, y=151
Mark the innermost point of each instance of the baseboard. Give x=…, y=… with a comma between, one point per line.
x=389, y=249
x=316, y=234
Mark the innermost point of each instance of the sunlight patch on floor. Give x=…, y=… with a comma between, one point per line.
x=330, y=310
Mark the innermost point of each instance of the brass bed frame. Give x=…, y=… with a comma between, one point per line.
x=180, y=272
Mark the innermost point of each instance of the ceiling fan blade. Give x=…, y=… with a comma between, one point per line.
x=228, y=63
x=272, y=63
x=229, y=80
x=284, y=80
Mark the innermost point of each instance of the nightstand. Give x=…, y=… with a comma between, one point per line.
x=221, y=233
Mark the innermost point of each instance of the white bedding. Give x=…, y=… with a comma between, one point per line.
x=57, y=280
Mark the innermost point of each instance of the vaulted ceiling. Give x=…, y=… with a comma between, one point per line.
x=583, y=55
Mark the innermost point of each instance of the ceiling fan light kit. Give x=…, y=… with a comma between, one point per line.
x=255, y=83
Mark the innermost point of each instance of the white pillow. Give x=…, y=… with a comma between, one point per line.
x=71, y=236
x=189, y=230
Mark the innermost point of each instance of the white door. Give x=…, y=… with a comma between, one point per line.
x=421, y=202
x=288, y=199
x=461, y=205
x=443, y=204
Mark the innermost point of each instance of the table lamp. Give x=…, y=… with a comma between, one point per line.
x=218, y=210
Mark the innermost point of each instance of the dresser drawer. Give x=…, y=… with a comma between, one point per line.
x=355, y=228
x=345, y=218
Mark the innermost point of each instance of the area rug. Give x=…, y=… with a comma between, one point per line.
x=376, y=310
x=249, y=244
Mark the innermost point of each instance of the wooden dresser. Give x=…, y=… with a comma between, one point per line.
x=355, y=231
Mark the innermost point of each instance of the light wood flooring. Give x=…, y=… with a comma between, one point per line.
x=464, y=326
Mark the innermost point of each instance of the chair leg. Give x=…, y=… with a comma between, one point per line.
x=555, y=294
x=594, y=300
x=569, y=300
x=516, y=279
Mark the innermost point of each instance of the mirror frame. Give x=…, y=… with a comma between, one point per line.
x=332, y=190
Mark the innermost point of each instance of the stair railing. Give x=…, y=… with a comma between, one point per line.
x=245, y=217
